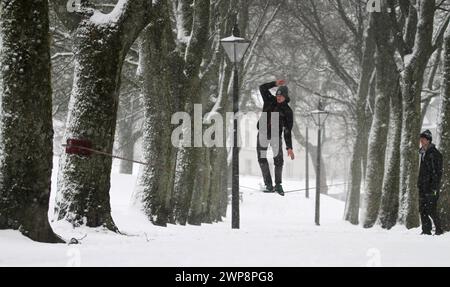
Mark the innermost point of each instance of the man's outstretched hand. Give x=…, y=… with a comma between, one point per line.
x=291, y=154
x=281, y=83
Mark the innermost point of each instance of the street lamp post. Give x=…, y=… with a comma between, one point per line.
x=319, y=117
x=235, y=47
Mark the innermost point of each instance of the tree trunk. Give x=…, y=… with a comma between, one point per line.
x=83, y=183
x=370, y=104
x=444, y=128
x=213, y=208
x=312, y=149
x=126, y=140
x=167, y=183
x=162, y=88
x=430, y=84
x=201, y=194
x=188, y=157
x=100, y=46
x=127, y=147
x=186, y=173
x=390, y=197
x=409, y=213
x=184, y=184
x=353, y=196
x=385, y=89
x=207, y=188
x=26, y=131
x=218, y=202
x=412, y=82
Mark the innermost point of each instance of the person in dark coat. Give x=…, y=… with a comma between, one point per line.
x=429, y=183
x=275, y=104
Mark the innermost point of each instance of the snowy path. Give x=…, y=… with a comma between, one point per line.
x=275, y=231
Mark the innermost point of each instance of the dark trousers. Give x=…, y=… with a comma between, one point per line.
x=277, y=149
x=428, y=211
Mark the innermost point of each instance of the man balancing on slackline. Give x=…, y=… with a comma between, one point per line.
x=275, y=107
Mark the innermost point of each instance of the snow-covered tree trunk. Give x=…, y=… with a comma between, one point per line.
x=412, y=82
x=205, y=205
x=187, y=167
x=205, y=191
x=218, y=194
x=386, y=87
x=160, y=101
x=444, y=129
x=430, y=82
x=390, y=196
x=389, y=209
x=189, y=157
x=26, y=131
x=202, y=190
x=167, y=183
x=218, y=190
x=101, y=43
x=353, y=196
x=370, y=104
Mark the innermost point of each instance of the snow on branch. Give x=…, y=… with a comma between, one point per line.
x=65, y=54
x=439, y=37
x=113, y=17
x=125, y=14
x=69, y=19
x=180, y=20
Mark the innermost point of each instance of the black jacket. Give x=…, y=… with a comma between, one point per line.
x=286, y=115
x=430, y=173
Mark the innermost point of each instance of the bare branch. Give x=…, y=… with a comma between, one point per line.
x=439, y=37
x=198, y=38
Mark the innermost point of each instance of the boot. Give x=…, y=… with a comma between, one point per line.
x=269, y=189
x=279, y=189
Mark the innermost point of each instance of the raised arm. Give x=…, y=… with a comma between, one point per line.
x=265, y=91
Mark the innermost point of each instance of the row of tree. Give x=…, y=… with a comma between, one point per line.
x=174, y=45
x=406, y=35
x=378, y=74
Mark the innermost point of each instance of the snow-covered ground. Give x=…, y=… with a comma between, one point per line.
x=275, y=231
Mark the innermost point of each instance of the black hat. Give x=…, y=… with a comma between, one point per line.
x=427, y=134
x=283, y=91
